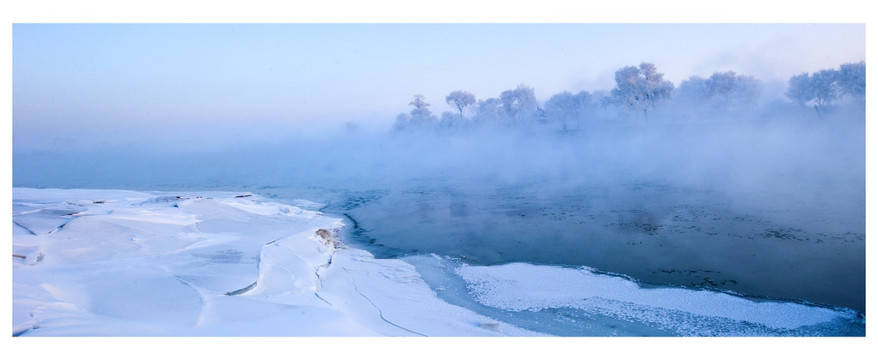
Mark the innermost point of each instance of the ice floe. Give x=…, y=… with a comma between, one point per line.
x=526, y=287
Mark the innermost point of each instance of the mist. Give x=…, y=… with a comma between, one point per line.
x=777, y=158
x=734, y=145
x=795, y=152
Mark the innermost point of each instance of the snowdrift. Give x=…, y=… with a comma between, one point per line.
x=123, y=263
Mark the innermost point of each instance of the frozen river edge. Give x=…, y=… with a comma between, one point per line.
x=125, y=263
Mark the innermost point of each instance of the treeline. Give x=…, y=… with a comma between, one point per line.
x=639, y=92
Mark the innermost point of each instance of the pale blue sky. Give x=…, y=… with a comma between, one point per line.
x=74, y=80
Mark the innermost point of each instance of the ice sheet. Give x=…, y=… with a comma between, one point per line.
x=527, y=287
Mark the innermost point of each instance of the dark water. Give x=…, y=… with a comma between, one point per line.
x=654, y=233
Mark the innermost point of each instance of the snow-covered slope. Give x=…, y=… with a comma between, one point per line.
x=124, y=263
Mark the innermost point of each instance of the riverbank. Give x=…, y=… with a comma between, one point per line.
x=124, y=263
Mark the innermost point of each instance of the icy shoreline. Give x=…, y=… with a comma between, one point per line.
x=125, y=263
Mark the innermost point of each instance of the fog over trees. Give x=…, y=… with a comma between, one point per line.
x=828, y=86
x=460, y=100
x=419, y=117
x=719, y=132
x=721, y=91
x=568, y=109
x=640, y=91
x=640, y=88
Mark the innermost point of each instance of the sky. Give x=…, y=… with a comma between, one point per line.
x=79, y=81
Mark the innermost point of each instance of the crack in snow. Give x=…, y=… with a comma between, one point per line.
x=202, y=297
x=60, y=227
x=380, y=313
x=320, y=279
x=24, y=227
x=247, y=288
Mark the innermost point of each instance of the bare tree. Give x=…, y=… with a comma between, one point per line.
x=421, y=114
x=460, y=100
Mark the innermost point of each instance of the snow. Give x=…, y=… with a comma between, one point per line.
x=523, y=287
x=124, y=263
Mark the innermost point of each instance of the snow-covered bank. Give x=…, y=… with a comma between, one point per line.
x=124, y=263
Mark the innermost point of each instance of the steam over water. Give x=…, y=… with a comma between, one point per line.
x=768, y=206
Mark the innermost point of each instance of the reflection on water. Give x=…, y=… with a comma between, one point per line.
x=656, y=234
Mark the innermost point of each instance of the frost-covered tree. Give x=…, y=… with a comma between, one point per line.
x=460, y=100
x=852, y=79
x=489, y=111
x=731, y=87
x=450, y=120
x=722, y=91
x=566, y=107
x=420, y=115
x=818, y=89
x=827, y=86
x=402, y=121
x=519, y=104
x=513, y=107
x=799, y=89
x=692, y=89
x=640, y=88
x=421, y=106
